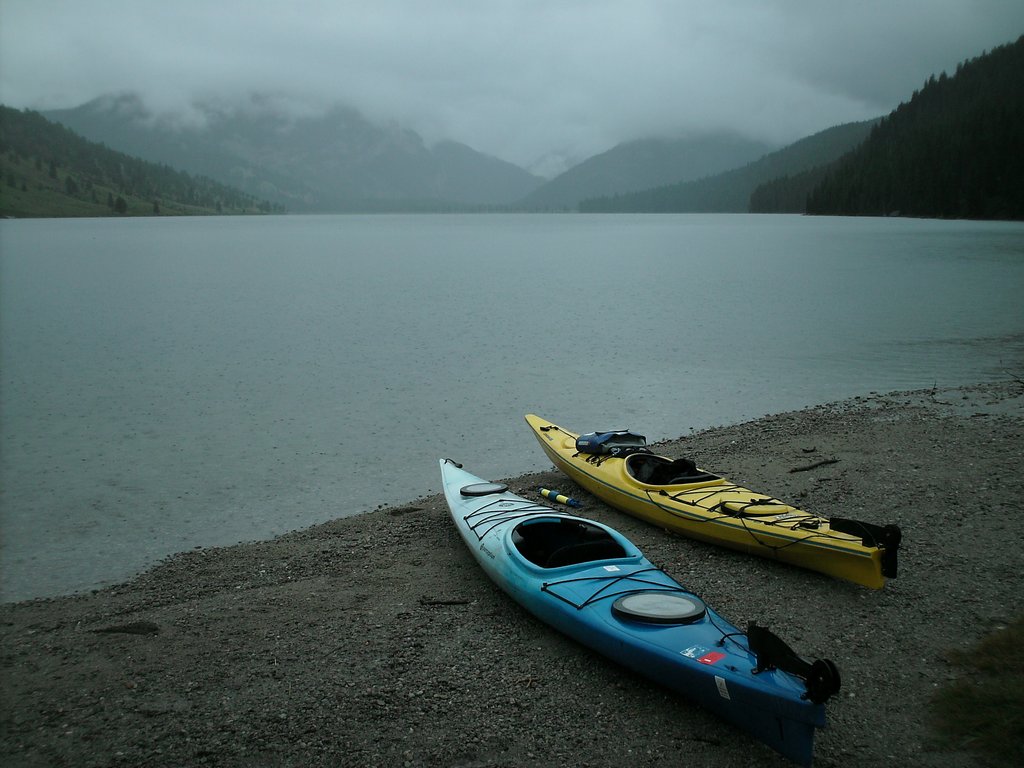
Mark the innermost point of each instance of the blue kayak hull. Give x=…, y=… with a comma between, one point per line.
x=599, y=589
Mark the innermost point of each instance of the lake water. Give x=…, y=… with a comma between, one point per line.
x=173, y=383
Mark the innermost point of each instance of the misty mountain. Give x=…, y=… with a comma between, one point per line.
x=638, y=165
x=730, y=192
x=337, y=161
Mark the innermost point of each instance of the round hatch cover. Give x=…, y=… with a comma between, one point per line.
x=659, y=607
x=483, y=489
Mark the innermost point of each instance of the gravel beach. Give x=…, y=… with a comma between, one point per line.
x=375, y=640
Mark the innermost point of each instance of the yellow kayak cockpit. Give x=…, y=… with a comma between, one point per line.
x=651, y=469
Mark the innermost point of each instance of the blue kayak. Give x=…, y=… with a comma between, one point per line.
x=590, y=582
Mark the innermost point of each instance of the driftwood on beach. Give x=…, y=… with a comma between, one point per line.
x=815, y=465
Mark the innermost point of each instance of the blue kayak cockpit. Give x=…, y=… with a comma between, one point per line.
x=556, y=542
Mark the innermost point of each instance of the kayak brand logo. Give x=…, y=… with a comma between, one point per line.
x=703, y=655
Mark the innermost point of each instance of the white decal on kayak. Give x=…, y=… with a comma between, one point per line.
x=694, y=651
x=722, y=690
x=611, y=567
x=788, y=516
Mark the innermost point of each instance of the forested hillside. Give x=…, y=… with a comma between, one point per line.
x=788, y=193
x=730, y=192
x=953, y=151
x=47, y=170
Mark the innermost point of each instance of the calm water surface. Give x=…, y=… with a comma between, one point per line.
x=173, y=383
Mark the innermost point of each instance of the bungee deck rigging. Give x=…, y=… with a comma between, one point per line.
x=677, y=495
x=612, y=580
x=495, y=513
x=789, y=521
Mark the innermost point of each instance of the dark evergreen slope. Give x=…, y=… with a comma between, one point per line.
x=643, y=164
x=730, y=192
x=788, y=194
x=50, y=171
x=954, y=150
x=331, y=162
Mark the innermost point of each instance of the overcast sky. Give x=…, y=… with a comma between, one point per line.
x=514, y=78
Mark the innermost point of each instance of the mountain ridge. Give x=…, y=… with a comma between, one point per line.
x=641, y=164
x=730, y=191
x=331, y=162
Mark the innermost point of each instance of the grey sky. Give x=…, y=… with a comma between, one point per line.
x=515, y=78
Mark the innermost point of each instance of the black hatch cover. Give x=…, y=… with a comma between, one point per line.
x=483, y=489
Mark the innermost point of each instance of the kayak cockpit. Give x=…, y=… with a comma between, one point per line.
x=556, y=542
x=651, y=469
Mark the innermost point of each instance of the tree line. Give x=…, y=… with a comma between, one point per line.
x=952, y=151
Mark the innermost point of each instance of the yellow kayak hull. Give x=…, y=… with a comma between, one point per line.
x=712, y=509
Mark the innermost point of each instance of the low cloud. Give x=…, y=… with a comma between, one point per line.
x=520, y=79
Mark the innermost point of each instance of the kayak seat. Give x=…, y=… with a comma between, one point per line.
x=553, y=543
x=585, y=552
x=652, y=469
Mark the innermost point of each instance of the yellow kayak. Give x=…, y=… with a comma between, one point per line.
x=676, y=495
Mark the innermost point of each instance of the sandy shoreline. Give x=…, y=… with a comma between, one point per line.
x=376, y=640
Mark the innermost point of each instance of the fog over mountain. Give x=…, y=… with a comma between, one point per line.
x=335, y=161
x=539, y=84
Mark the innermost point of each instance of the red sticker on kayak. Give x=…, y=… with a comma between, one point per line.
x=711, y=657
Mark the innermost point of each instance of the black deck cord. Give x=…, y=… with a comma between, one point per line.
x=886, y=538
x=741, y=518
x=721, y=516
x=498, y=516
x=664, y=588
x=711, y=491
x=765, y=502
x=610, y=581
